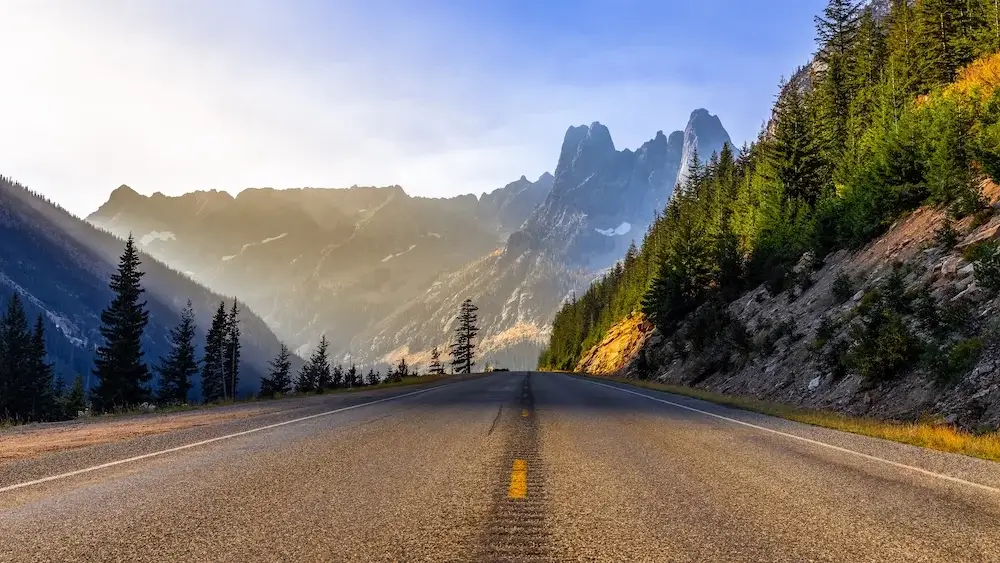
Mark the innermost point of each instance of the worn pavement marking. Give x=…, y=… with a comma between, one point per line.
x=518, y=479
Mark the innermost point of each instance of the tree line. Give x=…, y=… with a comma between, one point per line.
x=898, y=109
x=122, y=378
x=319, y=375
x=29, y=391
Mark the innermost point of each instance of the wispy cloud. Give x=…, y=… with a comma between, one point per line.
x=179, y=95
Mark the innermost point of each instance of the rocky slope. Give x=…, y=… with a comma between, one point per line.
x=382, y=273
x=795, y=338
x=60, y=265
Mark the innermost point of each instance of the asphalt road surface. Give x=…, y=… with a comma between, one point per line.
x=504, y=467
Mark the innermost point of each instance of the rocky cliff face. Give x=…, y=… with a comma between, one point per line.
x=602, y=198
x=60, y=266
x=382, y=273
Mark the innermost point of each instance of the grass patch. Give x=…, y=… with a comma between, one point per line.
x=941, y=437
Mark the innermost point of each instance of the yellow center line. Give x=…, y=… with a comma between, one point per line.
x=518, y=479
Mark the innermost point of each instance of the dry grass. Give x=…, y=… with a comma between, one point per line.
x=35, y=440
x=942, y=437
x=24, y=441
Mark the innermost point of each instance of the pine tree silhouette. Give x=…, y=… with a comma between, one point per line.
x=231, y=362
x=436, y=367
x=212, y=366
x=279, y=381
x=180, y=365
x=463, y=356
x=122, y=375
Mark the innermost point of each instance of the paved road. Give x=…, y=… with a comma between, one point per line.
x=506, y=467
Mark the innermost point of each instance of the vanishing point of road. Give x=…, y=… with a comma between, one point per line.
x=500, y=467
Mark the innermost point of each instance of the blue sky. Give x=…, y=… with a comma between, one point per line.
x=441, y=97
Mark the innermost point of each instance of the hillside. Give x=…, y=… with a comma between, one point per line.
x=848, y=259
x=61, y=265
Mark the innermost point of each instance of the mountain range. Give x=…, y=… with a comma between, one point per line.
x=381, y=273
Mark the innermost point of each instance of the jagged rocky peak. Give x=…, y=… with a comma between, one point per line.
x=705, y=133
x=590, y=144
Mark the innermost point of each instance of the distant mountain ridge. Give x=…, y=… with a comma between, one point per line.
x=381, y=273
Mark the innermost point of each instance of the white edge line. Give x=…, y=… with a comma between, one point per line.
x=204, y=442
x=804, y=439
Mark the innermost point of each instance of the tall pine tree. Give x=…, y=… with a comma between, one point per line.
x=180, y=365
x=14, y=360
x=835, y=32
x=213, y=364
x=279, y=380
x=231, y=363
x=40, y=380
x=462, y=350
x=316, y=375
x=436, y=367
x=122, y=375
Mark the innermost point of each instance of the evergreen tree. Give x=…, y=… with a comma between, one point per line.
x=870, y=57
x=76, y=400
x=40, y=382
x=14, y=360
x=122, y=375
x=373, y=377
x=279, y=380
x=436, y=367
x=231, y=364
x=402, y=370
x=795, y=152
x=337, y=377
x=181, y=364
x=943, y=43
x=836, y=30
x=213, y=373
x=306, y=381
x=351, y=376
x=903, y=73
x=463, y=356
x=680, y=286
x=316, y=374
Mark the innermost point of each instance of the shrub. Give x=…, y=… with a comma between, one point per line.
x=882, y=345
x=986, y=262
x=926, y=310
x=836, y=359
x=956, y=317
x=706, y=324
x=947, y=363
x=946, y=235
x=964, y=356
x=843, y=287
x=827, y=327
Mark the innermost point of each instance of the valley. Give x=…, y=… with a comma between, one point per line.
x=381, y=273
